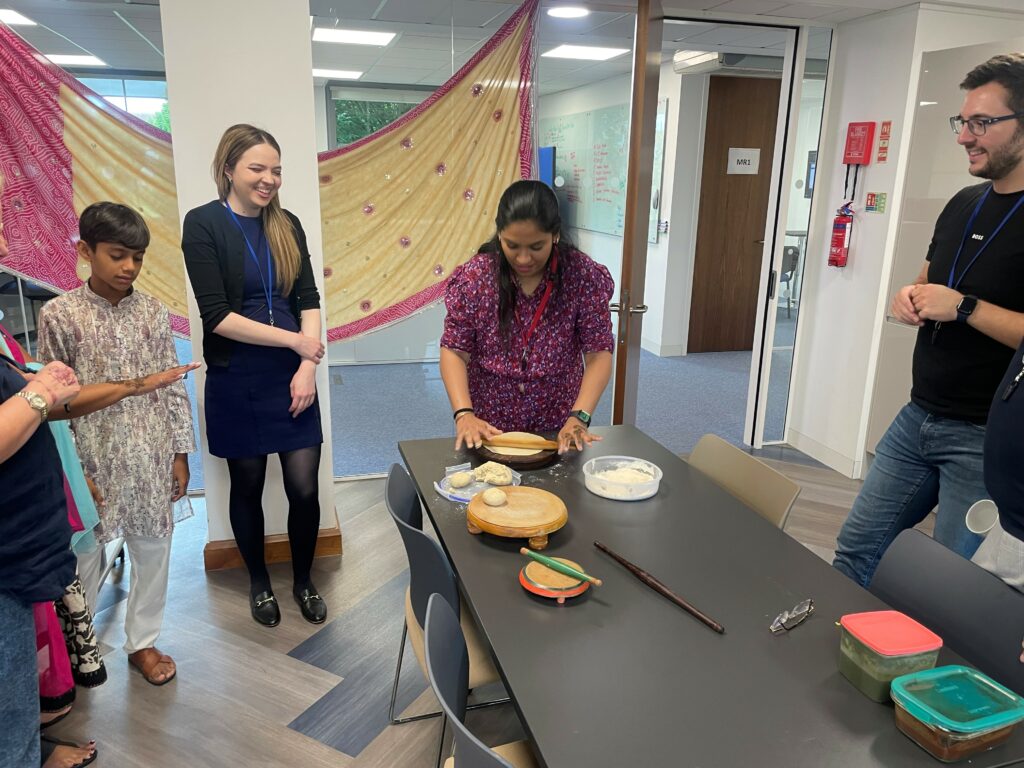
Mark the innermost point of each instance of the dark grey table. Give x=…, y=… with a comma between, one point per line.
x=621, y=677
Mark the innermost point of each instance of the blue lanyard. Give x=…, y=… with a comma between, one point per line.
x=268, y=284
x=955, y=283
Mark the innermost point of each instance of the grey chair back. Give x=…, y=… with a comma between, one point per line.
x=429, y=569
x=401, y=498
x=448, y=670
x=975, y=613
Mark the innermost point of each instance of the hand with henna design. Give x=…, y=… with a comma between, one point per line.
x=574, y=435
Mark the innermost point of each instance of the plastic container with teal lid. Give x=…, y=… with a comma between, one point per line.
x=954, y=712
x=878, y=646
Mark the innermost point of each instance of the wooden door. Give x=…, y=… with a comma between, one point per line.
x=742, y=114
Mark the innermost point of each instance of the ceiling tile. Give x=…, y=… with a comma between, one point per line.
x=801, y=11
x=748, y=6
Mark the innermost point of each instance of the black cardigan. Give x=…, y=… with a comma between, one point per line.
x=215, y=259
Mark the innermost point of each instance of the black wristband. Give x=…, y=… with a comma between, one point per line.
x=455, y=416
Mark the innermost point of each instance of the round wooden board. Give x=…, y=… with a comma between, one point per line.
x=531, y=461
x=541, y=580
x=529, y=513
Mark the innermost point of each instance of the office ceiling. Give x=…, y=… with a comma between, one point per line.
x=436, y=37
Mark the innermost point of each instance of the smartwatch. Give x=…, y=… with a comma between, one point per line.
x=965, y=308
x=582, y=416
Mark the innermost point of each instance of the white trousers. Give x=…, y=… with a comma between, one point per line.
x=1002, y=554
x=150, y=559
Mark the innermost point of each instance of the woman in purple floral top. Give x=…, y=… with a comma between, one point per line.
x=500, y=375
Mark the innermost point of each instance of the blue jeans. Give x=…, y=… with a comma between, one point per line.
x=922, y=460
x=19, y=689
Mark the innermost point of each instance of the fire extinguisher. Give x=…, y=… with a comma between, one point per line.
x=842, y=228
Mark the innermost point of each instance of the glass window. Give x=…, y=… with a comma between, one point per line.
x=144, y=99
x=356, y=119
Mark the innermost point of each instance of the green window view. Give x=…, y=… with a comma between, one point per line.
x=356, y=119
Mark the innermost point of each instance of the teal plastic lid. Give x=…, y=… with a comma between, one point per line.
x=957, y=698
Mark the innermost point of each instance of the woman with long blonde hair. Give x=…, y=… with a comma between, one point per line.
x=250, y=270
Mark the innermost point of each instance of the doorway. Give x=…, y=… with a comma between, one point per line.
x=735, y=184
x=723, y=274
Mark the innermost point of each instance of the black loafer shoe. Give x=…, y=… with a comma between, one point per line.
x=313, y=607
x=265, y=609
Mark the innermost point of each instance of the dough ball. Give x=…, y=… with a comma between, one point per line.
x=494, y=497
x=460, y=479
x=493, y=473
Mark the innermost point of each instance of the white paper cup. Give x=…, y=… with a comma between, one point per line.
x=982, y=516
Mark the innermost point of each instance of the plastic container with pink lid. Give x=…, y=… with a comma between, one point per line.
x=878, y=646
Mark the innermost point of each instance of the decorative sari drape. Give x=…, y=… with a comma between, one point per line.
x=400, y=209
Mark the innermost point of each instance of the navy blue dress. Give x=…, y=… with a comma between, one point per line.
x=247, y=402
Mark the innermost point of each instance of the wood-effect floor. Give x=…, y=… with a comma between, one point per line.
x=303, y=695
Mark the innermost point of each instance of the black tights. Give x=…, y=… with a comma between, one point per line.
x=300, y=469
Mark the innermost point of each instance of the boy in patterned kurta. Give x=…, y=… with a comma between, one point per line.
x=136, y=451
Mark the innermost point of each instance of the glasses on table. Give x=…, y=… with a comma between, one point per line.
x=786, y=620
x=978, y=125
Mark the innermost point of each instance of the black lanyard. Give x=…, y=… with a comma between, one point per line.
x=953, y=281
x=268, y=284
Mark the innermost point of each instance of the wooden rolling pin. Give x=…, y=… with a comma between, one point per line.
x=534, y=441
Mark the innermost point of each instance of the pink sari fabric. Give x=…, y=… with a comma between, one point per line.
x=56, y=685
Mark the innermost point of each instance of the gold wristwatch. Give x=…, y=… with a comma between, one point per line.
x=37, y=401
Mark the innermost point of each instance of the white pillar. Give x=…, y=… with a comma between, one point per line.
x=246, y=61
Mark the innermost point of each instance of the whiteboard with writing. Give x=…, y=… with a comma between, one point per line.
x=591, y=150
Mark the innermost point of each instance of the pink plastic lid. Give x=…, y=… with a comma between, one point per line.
x=891, y=633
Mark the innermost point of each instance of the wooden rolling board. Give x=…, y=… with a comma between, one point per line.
x=541, y=580
x=529, y=513
x=529, y=461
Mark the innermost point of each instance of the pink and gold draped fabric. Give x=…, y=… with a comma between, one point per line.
x=403, y=207
x=63, y=147
x=400, y=209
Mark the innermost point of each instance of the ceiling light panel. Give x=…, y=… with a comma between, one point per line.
x=74, y=60
x=15, y=19
x=351, y=36
x=337, y=74
x=568, y=12
x=585, y=52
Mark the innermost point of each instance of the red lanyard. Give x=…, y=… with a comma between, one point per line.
x=540, y=309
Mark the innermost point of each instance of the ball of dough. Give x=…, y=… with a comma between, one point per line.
x=493, y=473
x=460, y=479
x=494, y=497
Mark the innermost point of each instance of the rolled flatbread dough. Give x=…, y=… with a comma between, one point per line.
x=514, y=451
x=494, y=473
x=494, y=497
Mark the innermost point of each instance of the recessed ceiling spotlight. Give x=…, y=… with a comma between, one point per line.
x=568, y=12
x=337, y=74
x=13, y=18
x=587, y=52
x=75, y=60
x=351, y=36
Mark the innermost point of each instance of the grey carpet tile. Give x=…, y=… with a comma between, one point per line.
x=360, y=646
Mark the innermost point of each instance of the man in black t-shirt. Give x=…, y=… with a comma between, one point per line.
x=968, y=304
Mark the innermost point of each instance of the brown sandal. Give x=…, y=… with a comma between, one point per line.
x=147, y=660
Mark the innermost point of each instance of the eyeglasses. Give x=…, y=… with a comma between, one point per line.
x=978, y=125
x=791, y=618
